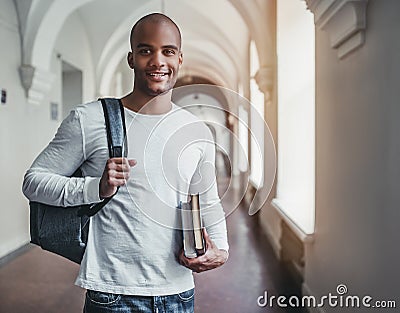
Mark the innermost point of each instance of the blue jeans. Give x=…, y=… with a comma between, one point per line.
x=101, y=302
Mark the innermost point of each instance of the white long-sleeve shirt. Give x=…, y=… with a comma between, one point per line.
x=135, y=240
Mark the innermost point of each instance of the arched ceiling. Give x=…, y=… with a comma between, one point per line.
x=216, y=34
x=222, y=48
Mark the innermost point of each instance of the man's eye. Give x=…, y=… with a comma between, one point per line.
x=144, y=51
x=169, y=52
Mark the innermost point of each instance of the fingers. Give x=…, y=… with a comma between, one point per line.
x=118, y=170
x=182, y=258
x=116, y=173
x=213, y=257
x=194, y=264
x=120, y=164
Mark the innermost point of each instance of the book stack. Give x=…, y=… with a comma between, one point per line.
x=193, y=238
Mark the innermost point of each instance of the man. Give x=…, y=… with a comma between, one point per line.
x=134, y=260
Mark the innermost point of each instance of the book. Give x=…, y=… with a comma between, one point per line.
x=193, y=238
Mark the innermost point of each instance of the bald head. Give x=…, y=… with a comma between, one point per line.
x=156, y=18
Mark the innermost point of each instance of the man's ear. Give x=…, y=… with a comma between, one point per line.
x=129, y=58
x=180, y=58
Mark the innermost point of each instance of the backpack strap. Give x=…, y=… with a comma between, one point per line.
x=117, y=143
x=115, y=125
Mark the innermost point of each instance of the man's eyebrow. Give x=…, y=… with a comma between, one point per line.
x=142, y=45
x=170, y=47
x=145, y=45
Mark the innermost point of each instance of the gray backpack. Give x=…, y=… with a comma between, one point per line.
x=64, y=231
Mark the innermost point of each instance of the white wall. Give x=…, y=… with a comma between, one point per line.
x=74, y=48
x=357, y=164
x=15, y=125
x=124, y=84
x=71, y=88
x=26, y=128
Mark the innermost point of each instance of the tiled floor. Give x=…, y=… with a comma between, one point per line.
x=38, y=281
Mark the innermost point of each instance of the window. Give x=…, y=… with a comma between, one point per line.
x=243, y=139
x=256, y=123
x=296, y=114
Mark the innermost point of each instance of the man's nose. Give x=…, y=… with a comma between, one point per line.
x=157, y=60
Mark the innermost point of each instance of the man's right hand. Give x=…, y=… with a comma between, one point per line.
x=116, y=173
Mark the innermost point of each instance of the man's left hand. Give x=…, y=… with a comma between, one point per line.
x=213, y=257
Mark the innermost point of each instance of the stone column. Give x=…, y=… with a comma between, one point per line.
x=265, y=78
x=36, y=83
x=265, y=81
x=344, y=20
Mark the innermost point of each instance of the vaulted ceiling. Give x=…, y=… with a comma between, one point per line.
x=216, y=34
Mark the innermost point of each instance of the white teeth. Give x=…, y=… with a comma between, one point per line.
x=157, y=74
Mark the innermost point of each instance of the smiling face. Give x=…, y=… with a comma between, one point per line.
x=155, y=57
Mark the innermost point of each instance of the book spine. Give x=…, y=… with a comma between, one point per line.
x=197, y=225
x=187, y=229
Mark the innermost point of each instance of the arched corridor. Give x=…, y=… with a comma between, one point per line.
x=233, y=288
x=312, y=200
